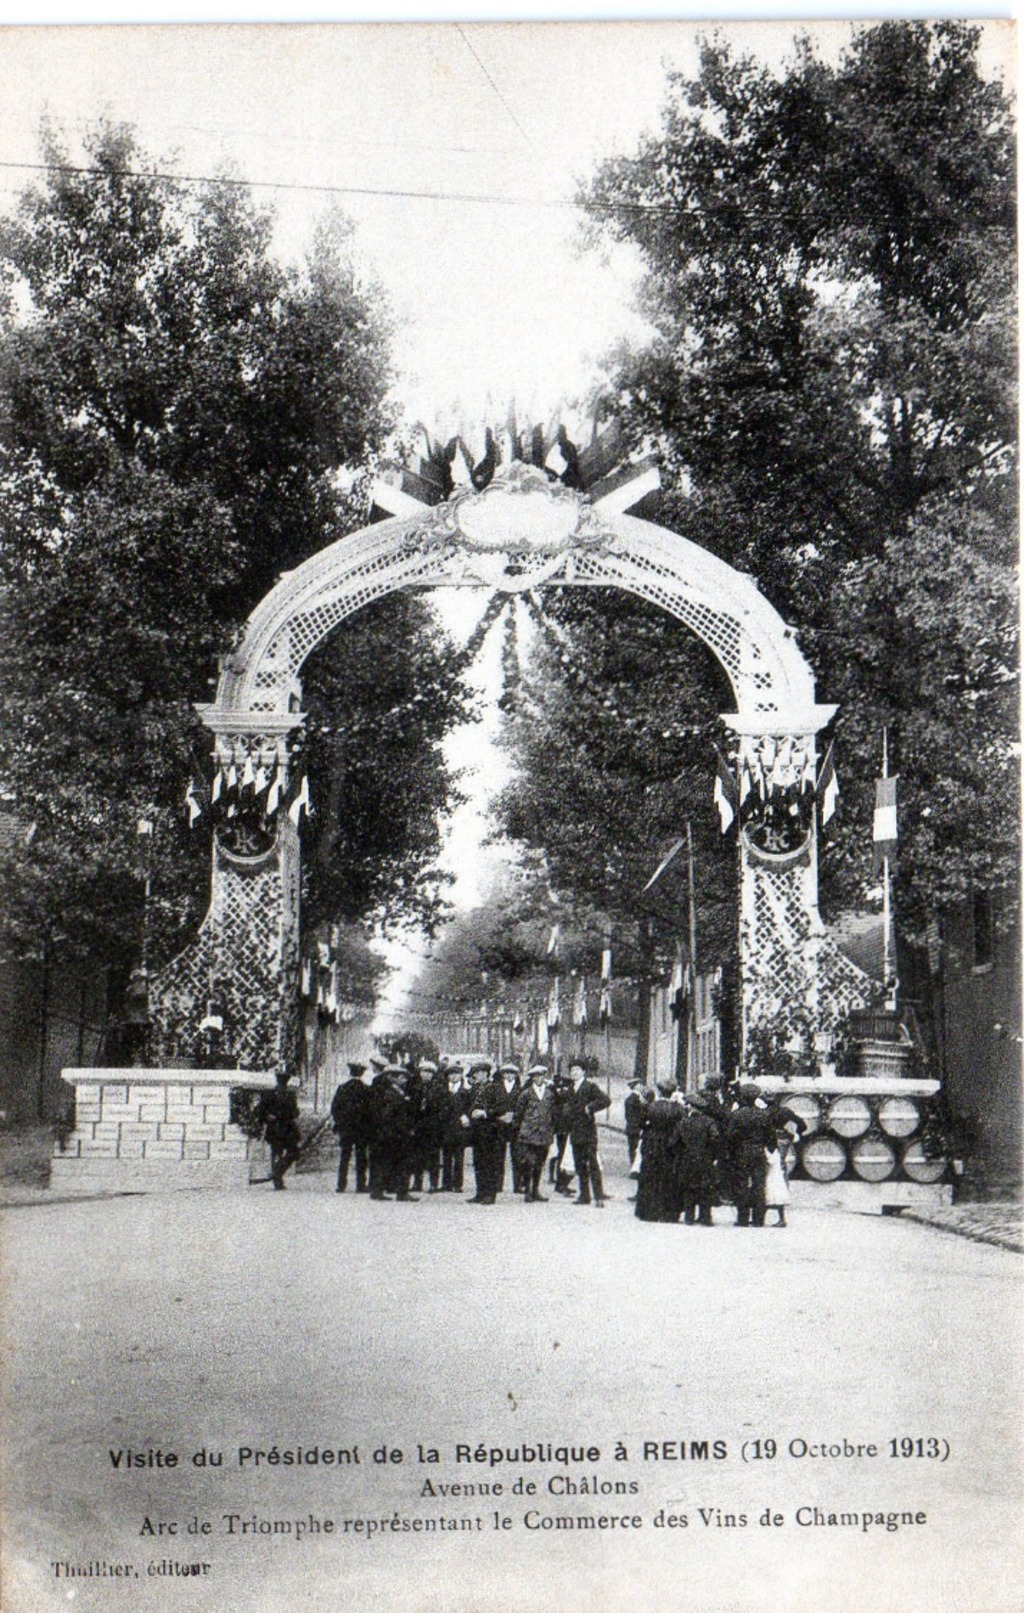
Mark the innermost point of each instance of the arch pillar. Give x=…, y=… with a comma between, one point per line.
x=796, y=985
x=243, y=967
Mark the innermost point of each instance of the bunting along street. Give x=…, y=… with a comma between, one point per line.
x=846, y=1375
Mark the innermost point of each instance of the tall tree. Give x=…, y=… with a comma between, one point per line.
x=180, y=417
x=612, y=737
x=380, y=695
x=829, y=269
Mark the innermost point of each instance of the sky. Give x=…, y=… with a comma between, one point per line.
x=492, y=299
x=454, y=148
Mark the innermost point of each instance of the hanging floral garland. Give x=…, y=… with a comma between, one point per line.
x=511, y=672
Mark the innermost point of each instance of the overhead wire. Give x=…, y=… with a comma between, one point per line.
x=486, y=73
x=489, y=199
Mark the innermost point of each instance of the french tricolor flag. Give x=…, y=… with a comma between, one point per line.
x=885, y=836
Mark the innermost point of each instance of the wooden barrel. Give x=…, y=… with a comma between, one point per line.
x=805, y=1107
x=919, y=1166
x=899, y=1116
x=873, y=1158
x=850, y=1116
x=865, y=1024
x=823, y=1157
x=878, y=1058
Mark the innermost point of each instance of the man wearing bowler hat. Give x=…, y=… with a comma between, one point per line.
x=582, y=1103
x=490, y=1114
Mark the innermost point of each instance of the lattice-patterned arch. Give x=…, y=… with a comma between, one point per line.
x=432, y=547
x=519, y=534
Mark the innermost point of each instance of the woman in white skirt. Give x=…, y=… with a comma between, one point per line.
x=776, y=1185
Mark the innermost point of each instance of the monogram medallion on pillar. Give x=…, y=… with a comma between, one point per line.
x=796, y=983
x=232, y=995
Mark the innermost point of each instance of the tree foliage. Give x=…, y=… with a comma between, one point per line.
x=610, y=770
x=180, y=419
x=829, y=269
x=380, y=695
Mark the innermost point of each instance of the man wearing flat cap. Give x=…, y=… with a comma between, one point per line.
x=510, y=1077
x=534, y=1130
x=454, y=1127
x=429, y=1124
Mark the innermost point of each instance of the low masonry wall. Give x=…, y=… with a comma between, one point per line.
x=145, y=1128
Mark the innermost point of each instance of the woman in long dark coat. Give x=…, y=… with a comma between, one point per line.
x=657, y=1193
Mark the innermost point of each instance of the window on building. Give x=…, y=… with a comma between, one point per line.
x=984, y=934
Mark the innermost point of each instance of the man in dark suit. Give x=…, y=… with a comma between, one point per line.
x=350, y=1114
x=454, y=1127
x=391, y=1137
x=430, y=1123
x=696, y=1152
x=581, y=1105
x=749, y=1133
x=491, y=1114
x=634, y=1106
x=509, y=1077
x=279, y=1114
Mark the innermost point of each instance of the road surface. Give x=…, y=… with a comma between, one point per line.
x=737, y=1379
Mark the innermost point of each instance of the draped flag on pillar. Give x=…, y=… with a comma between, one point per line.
x=300, y=801
x=579, y=1008
x=217, y=787
x=552, y=948
x=193, y=804
x=828, y=788
x=605, y=1010
x=746, y=786
x=885, y=820
x=726, y=791
x=554, y=1006
x=274, y=794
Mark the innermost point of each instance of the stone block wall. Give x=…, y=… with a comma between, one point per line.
x=140, y=1128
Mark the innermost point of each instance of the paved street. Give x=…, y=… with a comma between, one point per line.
x=169, y=1324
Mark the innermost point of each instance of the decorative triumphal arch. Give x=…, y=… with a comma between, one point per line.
x=524, y=530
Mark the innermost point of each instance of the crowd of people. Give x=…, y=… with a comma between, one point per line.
x=408, y=1129
x=726, y=1143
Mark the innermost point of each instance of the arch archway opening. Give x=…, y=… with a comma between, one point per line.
x=519, y=534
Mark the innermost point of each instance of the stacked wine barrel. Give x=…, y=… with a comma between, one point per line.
x=867, y=1137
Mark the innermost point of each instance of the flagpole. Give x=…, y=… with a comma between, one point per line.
x=890, y=998
x=691, y=1004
